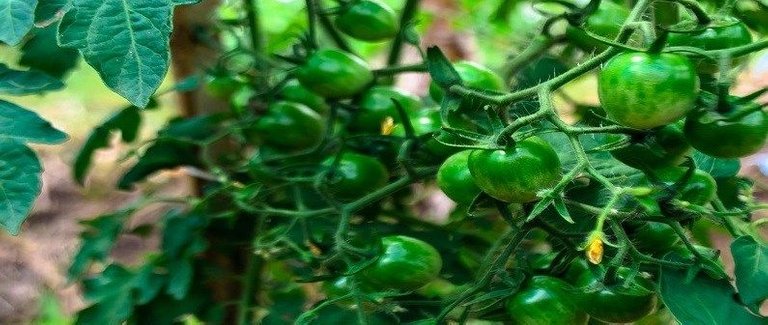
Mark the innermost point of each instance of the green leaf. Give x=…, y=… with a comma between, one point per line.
x=50, y=11
x=441, y=69
x=97, y=241
x=20, y=124
x=176, y=146
x=111, y=292
x=16, y=19
x=19, y=183
x=16, y=82
x=42, y=53
x=182, y=241
x=717, y=167
x=751, y=259
x=127, y=121
x=51, y=311
x=148, y=283
x=702, y=300
x=163, y=154
x=127, y=42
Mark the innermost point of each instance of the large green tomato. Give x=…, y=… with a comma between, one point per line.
x=518, y=173
x=368, y=20
x=293, y=91
x=290, y=126
x=605, y=22
x=405, y=263
x=737, y=131
x=724, y=32
x=644, y=91
x=662, y=147
x=334, y=74
x=377, y=105
x=356, y=175
x=545, y=300
x=455, y=180
x=613, y=302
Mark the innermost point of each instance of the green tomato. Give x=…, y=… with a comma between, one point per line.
x=661, y=147
x=455, y=180
x=428, y=121
x=474, y=76
x=342, y=286
x=368, y=20
x=518, y=173
x=724, y=32
x=356, y=175
x=738, y=131
x=295, y=92
x=655, y=238
x=223, y=87
x=405, y=263
x=545, y=300
x=377, y=105
x=605, y=22
x=644, y=91
x=290, y=126
x=699, y=190
x=334, y=74
x=613, y=302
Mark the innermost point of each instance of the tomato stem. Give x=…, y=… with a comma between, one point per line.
x=410, y=10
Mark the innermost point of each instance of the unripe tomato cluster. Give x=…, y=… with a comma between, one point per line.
x=348, y=137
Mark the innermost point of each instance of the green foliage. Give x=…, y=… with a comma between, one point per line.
x=699, y=299
x=16, y=19
x=126, y=121
x=40, y=52
x=280, y=207
x=133, y=57
x=15, y=82
x=751, y=259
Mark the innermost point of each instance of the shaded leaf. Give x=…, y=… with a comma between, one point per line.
x=19, y=183
x=127, y=121
x=751, y=259
x=717, y=167
x=176, y=146
x=17, y=123
x=97, y=240
x=42, y=53
x=17, y=82
x=16, y=19
x=702, y=300
x=50, y=11
x=111, y=294
x=441, y=69
x=163, y=154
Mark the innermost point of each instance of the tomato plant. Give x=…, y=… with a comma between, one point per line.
x=319, y=133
